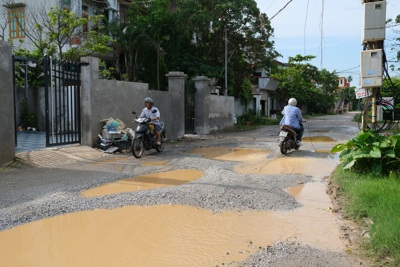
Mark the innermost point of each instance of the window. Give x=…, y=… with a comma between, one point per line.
x=16, y=18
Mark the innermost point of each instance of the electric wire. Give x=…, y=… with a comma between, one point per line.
x=281, y=10
x=305, y=26
x=322, y=33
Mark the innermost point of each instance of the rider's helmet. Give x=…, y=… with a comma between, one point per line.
x=292, y=101
x=148, y=100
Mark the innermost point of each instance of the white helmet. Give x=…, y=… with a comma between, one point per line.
x=148, y=100
x=292, y=101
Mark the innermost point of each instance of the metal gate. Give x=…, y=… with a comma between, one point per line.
x=190, y=92
x=63, y=103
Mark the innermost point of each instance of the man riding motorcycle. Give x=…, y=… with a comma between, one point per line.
x=292, y=117
x=148, y=113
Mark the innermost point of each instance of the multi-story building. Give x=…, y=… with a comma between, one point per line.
x=16, y=16
x=343, y=82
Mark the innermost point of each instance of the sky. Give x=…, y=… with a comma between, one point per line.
x=329, y=31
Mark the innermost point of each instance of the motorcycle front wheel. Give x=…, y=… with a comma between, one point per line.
x=137, y=147
x=283, y=146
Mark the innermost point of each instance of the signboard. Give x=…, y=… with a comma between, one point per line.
x=362, y=92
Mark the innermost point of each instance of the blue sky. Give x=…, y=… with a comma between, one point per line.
x=335, y=39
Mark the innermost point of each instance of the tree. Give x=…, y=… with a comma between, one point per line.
x=205, y=23
x=3, y=20
x=347, y=96
x=394, y=24
x=52, y=32
x=246, y=94
x=297, y=80
x=310, y=86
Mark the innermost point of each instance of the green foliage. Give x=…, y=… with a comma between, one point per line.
x=365, y=196
x=371, y=152
x=191, y=36
x=348, y=96
x=310, y=86
x=35, y=74
x=246, y=94
x=50, y=33
x=27, y=118
x=249, y=120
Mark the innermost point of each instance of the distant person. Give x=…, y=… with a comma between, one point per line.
x=148, y=113
x=292, y=117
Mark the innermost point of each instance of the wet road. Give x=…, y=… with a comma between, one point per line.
x=205, y=201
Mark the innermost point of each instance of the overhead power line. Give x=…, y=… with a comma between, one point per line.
x=280, y=10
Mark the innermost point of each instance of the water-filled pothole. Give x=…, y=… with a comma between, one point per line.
x=145, y=182
x=319, y=131
x=318, y=139
x=231, y=154
x=168, y=235
x=290, y=165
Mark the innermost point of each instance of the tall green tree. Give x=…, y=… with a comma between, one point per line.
x=205, y=24
x=297, y=80
x=310, y=86
x=191, y=35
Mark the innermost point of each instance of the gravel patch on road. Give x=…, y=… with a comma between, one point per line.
x=49, y=192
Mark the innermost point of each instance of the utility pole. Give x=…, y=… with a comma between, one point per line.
x=372, y=58
x=226, y=61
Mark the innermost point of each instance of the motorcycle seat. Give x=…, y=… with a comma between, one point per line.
x=288, y=128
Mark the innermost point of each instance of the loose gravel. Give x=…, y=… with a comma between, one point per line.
x=29, y=194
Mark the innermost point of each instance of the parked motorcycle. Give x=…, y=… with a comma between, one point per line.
x=287, y=139
x=145, y=137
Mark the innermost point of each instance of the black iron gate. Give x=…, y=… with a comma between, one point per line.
x=63, y=104
x=190, y=91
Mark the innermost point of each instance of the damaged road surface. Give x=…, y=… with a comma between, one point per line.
x=227, y=199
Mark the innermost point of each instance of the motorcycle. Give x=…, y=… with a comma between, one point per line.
x=145, y=137
x=287, y=139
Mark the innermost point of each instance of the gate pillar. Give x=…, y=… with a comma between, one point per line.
x=89, y=79
x=176, y=89
x=202, y=84
x=7, y=113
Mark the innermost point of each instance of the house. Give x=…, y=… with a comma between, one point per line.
x=17, y=16
x=343, y=82
x=263, y=103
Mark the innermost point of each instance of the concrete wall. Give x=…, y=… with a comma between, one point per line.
x=212, y=112
x=7, y=133
x=102, y=99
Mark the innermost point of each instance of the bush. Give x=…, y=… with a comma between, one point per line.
x=250, y=119
x=27, y=119
x=371, y=152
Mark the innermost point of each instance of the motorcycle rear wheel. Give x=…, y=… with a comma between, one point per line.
x=161, y=147
x=283, y=146
x=137, y=147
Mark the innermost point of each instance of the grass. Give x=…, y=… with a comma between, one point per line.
x=376, y=198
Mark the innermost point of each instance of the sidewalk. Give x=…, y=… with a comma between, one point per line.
x=59, y=156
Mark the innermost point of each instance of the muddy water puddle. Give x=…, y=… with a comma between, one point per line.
x=145, y=182
x=155, y=163
x=319, y=167
x=168, y=235
x=231, y=154
x=318, y=139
